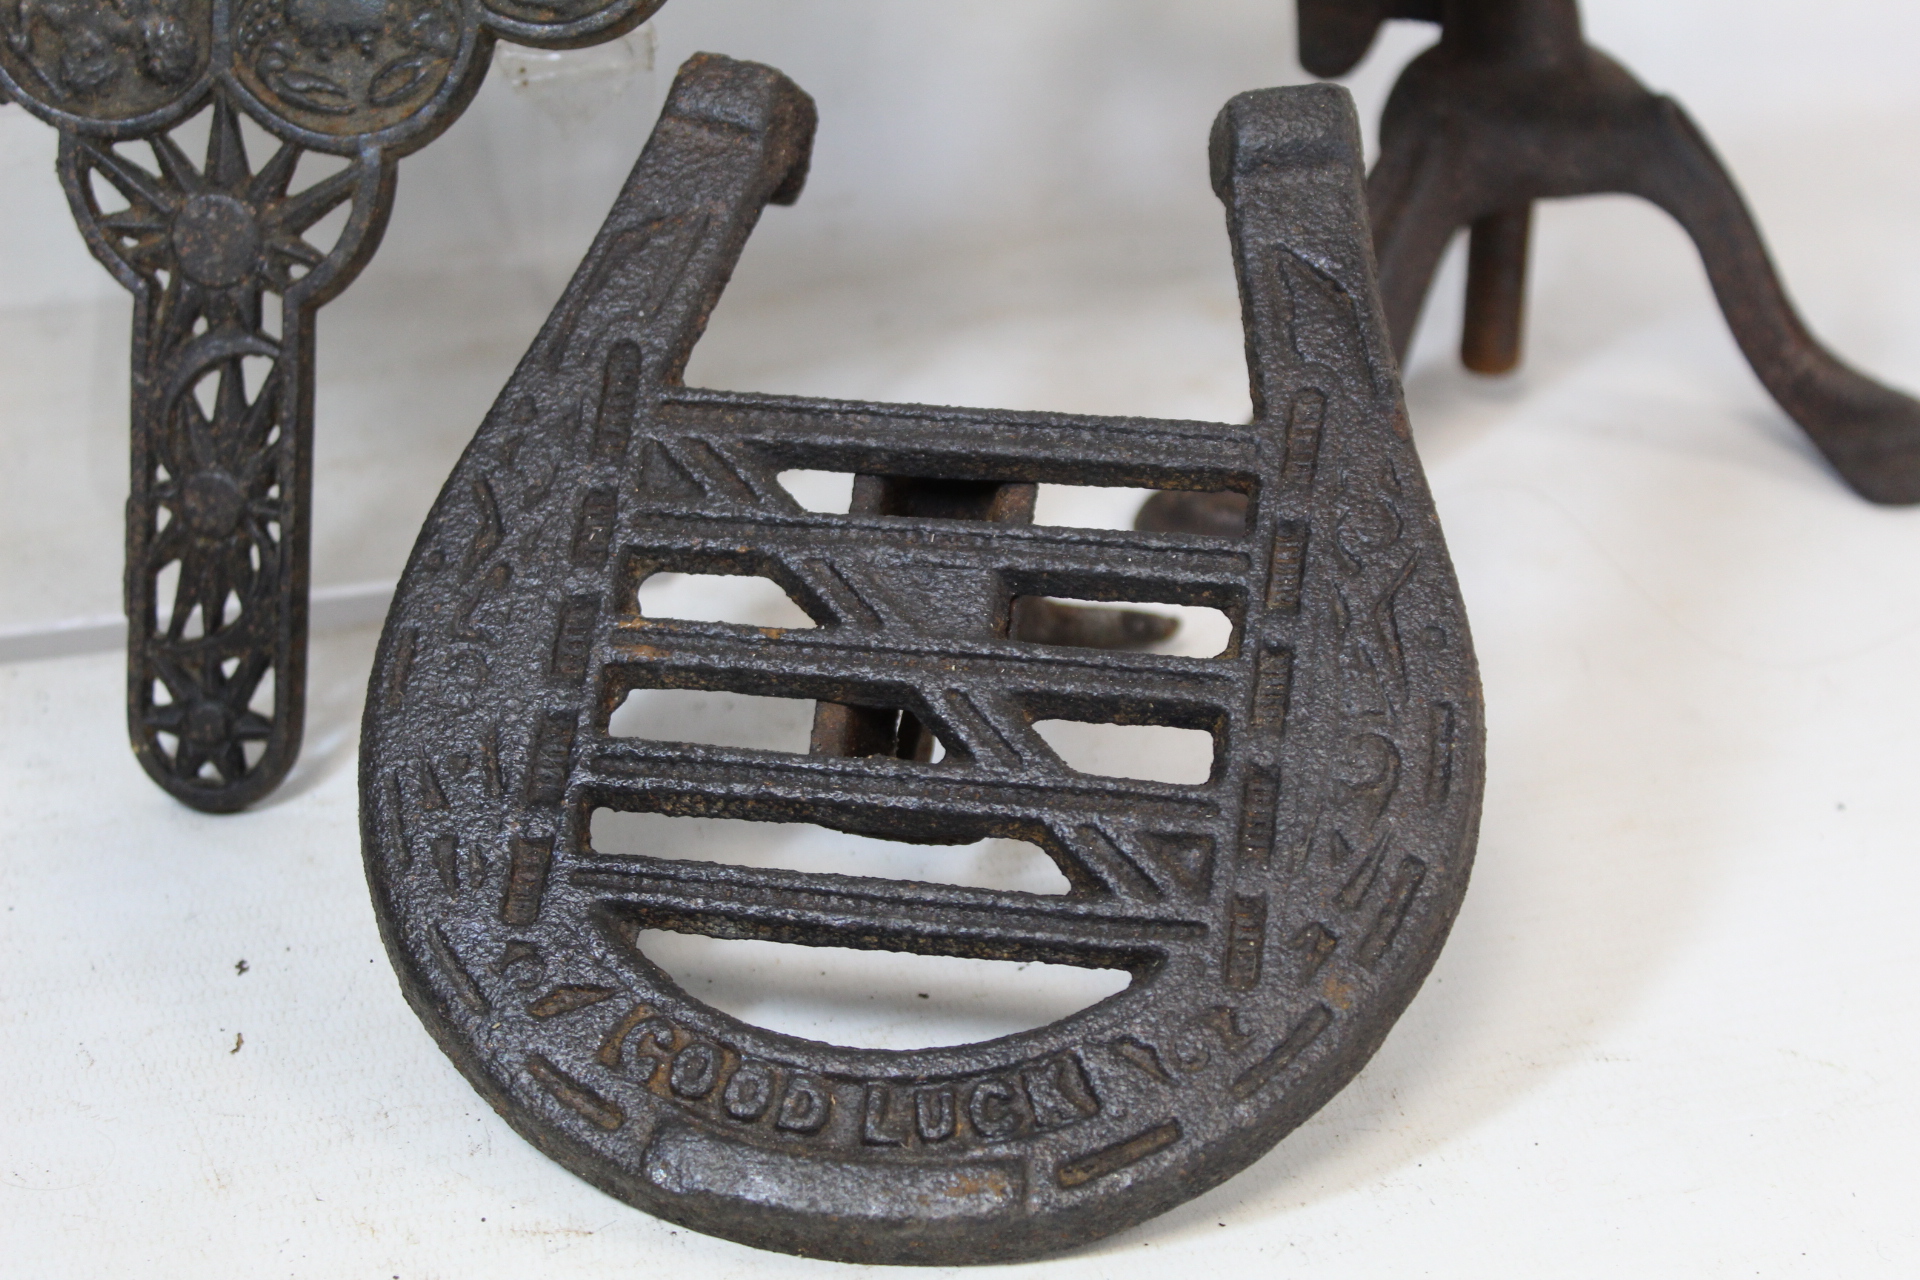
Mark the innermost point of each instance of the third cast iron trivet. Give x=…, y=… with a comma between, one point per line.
x=1513, y=106
x=1275, y=919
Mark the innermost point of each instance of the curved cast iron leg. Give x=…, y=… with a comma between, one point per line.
x=1415, y=212
x=1869, y=432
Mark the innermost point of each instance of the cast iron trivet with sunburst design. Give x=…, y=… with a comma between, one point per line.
x=225, y=283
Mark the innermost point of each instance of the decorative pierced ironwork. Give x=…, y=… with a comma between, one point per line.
x=1275, y=917
x=220, y=256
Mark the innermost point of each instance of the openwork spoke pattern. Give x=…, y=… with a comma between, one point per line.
x=228, y=255
x=208, y=714
x=220, y=253
x=217, y=487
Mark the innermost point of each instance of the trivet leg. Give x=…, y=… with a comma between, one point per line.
x=1212, y=515
x=1414, y=199
x=840, y=730
x=1869, y=432
x=1491, y=337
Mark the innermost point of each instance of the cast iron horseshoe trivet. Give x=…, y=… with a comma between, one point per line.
x=222, y=382
x=1275, y=919
x=1512, y=106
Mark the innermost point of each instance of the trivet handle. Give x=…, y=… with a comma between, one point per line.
x=225, y=288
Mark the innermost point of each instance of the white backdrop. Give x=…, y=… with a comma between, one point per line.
x=1675, y=1029
x=983, y=170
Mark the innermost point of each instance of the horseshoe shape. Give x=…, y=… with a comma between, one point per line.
x=1275, y=919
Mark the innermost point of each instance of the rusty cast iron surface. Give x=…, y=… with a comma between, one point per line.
x=226, y=280
x=1513, y=106
x=1275, y=919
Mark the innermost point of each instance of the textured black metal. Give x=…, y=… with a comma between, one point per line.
x=1275, y=919
x=222, y=406
x=1513, y=106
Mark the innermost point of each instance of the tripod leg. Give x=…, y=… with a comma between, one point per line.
x=1413, y=196
x=1496, y=290
x=1868, y=432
